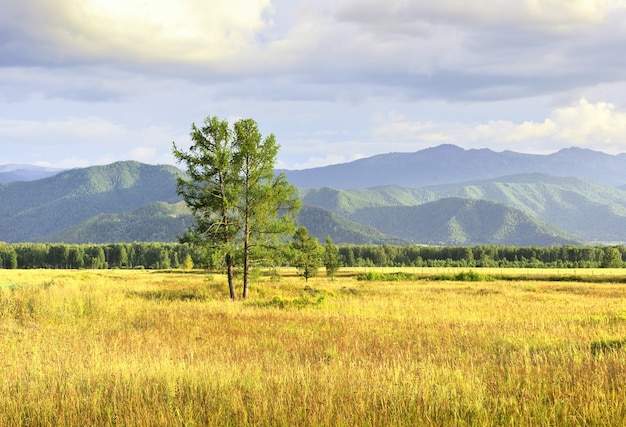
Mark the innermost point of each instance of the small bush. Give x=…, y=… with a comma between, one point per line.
x=464, y=276
x=385, y=277
x=283, y=303
x=470, y=276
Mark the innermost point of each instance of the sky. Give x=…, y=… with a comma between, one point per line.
x=88, y=82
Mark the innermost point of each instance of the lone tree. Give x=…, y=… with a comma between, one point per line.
x=238, y=203
x=331, y=258
x=307, y=253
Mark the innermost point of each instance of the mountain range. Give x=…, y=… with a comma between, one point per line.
x=12, y=172
x=447, y=163
x=443, y=195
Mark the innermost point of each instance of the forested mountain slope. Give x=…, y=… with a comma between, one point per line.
x=590, y=211
x=322, y=223
x=153, y=222
x=130, y=201
x=456, y=221
x=163, y=222
x=346, y=202
x=34, y=209
x=452, y=221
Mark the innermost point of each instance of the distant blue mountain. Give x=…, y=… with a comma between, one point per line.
x=12, y=172
x=447, y=164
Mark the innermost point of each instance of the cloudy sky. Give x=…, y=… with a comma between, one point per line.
x=86, y=82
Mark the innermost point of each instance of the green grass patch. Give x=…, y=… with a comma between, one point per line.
x=8, y=285
x=397, y=276
x=309, y=297
x=464, y=276
x=284, y=303
x=569, y=278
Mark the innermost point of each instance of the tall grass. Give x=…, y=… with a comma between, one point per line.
x=144, y=349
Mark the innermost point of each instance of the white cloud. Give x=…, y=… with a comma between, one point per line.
x=189, y=31
x=420, y=17
x=76, y=130
x=587, y=124
x=448, y=49
x=106, y=80
x=143, y=154
x=596, y=125
x=317, y=161
x=102, y=141
x=65, y=163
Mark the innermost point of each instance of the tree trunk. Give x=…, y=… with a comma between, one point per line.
x=246, y=249
x=231, y=280
x=246, y=237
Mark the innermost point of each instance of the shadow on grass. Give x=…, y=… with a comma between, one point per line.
x=309, y=297
x=190, y=294
x=607, y=346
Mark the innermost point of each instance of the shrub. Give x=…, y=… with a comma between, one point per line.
x=385, y=277
x=464, y=276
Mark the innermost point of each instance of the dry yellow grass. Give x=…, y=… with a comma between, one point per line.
x=144, y=348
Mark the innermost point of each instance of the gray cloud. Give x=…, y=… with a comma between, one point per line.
x=319, y=74
x=448, y=49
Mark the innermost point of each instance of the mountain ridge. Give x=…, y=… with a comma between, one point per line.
x=590, y=211
x=449, y=163
x=38, y=208
x=120, y=198
x=456, y=221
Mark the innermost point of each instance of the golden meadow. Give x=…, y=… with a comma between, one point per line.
x=154, y=348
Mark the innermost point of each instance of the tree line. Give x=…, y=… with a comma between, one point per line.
x=98, y=256
x=308, y=255
x=565, y=256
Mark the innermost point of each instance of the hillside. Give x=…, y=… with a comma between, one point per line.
x=125, y=202
x=163, y=222
x=347, y=202
x=592, y=211
x=39, y=208
x=456, y=221
x=452, y=164
x=444, y=222
x=154, y=222
x=322, y=223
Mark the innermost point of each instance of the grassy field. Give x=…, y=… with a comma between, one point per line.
x=141, y=348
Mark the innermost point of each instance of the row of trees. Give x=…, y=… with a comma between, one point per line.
x=308, y=255
x=117, y=255
x=567, y=256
